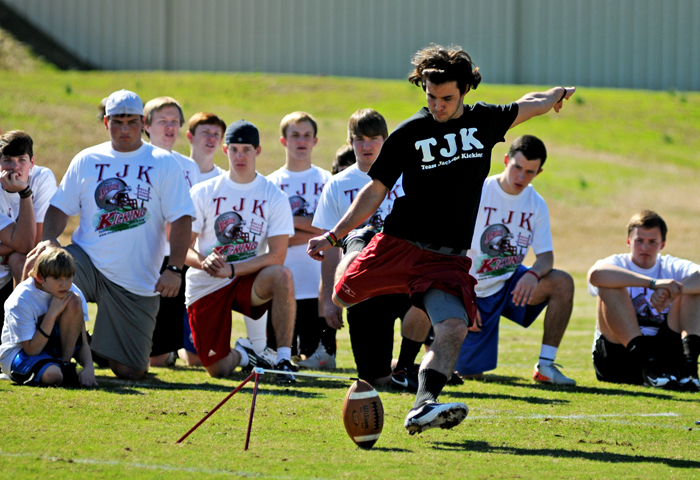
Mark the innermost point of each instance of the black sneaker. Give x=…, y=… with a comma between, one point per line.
x=70, y=375
x=254, y=360
x=403, y=380
x=455, y=379
x=435, y=415
x=285, y=378
x=658, y=379
x=688, y=378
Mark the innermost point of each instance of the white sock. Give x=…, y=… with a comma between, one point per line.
x=284, y=353
x=548, y=354
x=244, y=357
x=257, y=332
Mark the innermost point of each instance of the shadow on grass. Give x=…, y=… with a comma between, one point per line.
x=480, y=446
x=152, y=382
x=613, y=389
x=391, y=450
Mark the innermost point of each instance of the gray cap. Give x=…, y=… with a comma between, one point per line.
x=123, y=102
x=242, y=131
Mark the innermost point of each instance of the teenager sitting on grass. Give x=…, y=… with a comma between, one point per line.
x=45, y=327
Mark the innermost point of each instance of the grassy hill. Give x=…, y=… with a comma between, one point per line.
x=611, y=153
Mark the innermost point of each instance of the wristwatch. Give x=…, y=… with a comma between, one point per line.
x=175, y=269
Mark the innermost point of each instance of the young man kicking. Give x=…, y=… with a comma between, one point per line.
x=303, y=183
x=648, y=321
x=238, y=215
x=371, y=322
x=513, y=218
x=444, y=155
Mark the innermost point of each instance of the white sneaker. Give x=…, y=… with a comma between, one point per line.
x=320, y=360
x=551, y=374
x=435, y=415
x=254, y=359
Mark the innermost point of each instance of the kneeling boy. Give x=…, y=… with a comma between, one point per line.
x=45, y=326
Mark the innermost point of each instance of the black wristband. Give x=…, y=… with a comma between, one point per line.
x=174, y=269
x=563, y=95
x=26, y=193
x=233, y=271
x=41, y=331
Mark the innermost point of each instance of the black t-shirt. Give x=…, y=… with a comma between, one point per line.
x=444, y=166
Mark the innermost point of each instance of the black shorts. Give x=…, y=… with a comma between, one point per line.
x=613, y=363
x=371, y=326
x=167, y=336
x=309, y=329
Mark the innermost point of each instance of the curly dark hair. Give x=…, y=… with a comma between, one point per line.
x=439, y=65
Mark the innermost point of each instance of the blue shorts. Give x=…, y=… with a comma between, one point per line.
x=479, y=352
x=27, y=370
x=187, y=341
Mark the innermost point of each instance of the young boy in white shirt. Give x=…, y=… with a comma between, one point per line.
x=45, y=327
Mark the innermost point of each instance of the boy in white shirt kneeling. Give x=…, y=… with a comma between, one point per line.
x=45, y=327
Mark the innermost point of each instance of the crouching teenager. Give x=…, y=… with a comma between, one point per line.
x=45, y=327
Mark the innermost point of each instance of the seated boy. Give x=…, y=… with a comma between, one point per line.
x=648, y=316
x=45, y=326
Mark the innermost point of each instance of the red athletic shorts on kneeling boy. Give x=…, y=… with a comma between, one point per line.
x=210, y=317
x=391, y=265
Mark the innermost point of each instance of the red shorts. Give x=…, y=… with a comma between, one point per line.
x=391, y=265
x=210, y=318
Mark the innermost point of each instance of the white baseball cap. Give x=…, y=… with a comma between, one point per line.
x=123, y=102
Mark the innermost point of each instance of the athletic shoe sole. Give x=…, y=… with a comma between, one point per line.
x=444, y=416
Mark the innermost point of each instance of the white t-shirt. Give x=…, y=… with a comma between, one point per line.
x=189, y=169
x=43, y=185
x=124, y=200
x=214, y=172
x=666, y=267
x=340, y=192
x=506, y=227
x=303, y=189
x=235, y=219
x=22, y=311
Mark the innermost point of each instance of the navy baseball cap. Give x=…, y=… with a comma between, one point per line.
x=242, y=131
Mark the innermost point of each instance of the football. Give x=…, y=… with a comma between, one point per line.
x=363, y=414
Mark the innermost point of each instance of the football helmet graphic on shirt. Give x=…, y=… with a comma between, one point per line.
x=113, y=194
x=299, y=207
x=229, y=228
x=495, y=241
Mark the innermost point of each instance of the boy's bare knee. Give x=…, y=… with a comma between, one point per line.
x=52, y=376
x=125, y=372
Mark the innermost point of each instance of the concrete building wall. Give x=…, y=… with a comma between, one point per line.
x=649, y=44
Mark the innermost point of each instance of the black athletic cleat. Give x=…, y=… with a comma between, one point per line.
x=688, y=377
x=254, y=360
x=455, y=379
x=285, y=378
x=70, y=375
x=435, y=415
x=403, y=380
x=658, y=379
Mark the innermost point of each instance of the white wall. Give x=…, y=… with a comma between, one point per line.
x=613, y=43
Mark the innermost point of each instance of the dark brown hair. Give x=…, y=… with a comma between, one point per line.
x=440, y=65
x=15, y=143
x=648, y=219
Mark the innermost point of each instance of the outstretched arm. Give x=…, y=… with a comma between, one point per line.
x=367, y=202
x=539, y=103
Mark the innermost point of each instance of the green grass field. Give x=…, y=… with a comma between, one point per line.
x=611, y=153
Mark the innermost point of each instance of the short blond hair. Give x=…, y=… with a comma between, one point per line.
x=159, y=103
x=54, y=262
x=297, y=117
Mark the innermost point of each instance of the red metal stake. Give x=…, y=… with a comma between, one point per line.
x=220, y=404
x=252, y=411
